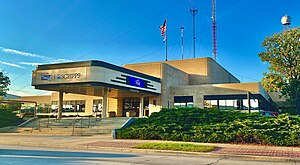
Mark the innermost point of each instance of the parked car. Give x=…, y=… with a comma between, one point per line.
x=269, y=113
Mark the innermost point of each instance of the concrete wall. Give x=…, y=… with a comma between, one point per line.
x=171, y=77
x=199, y=70
x=216, y=74
x=153, y=69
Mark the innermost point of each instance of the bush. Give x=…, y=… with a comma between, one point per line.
x=7, y=118
x=198, y=125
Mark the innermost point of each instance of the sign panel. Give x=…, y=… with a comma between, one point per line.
x=94, y=74
x=133, y=81
x=56, y=76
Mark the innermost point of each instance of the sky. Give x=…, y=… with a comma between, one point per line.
x=34, y=32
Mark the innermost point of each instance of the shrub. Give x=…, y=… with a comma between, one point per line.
x=198, y=125
x=7, y=118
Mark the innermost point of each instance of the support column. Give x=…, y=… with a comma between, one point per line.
x=105, y=102
x=141, y=114
x=60, y=104
x=249, y=103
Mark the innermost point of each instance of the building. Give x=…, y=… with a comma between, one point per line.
x=90, y=87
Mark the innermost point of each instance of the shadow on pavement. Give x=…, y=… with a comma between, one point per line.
x=14, y=152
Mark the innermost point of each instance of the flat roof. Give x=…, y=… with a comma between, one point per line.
x=95, y=63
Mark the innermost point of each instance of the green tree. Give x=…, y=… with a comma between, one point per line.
x=4, y=83
x=282, y=52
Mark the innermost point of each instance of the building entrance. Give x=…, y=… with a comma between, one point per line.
x=131, y=106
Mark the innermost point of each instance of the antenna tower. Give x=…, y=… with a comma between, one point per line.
x=214, y=29
x=194, y=12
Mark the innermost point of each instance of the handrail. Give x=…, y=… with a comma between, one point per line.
x=74, y=122
x=25, y=122
x=53, y=114
x=90, y=118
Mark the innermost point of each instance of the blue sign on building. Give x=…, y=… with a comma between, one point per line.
x=46, y=77
x=133, y=81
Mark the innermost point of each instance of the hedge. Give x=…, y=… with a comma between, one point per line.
x=215, y=126
x=7, y=118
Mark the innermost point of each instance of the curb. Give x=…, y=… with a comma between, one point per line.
x=208, y=154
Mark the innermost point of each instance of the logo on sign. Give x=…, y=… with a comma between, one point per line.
x=133, y=81
x=137, y=82
x=46, y=76
x=68, y=76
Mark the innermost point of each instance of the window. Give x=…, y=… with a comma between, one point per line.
x=253, y=104
x=154, y=102
x=70, y=106
x=80, y=106
x=183, y=101
x=97, y=105
x=228, y=104
x=210, y=104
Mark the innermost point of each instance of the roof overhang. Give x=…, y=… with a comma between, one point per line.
x=80, y=77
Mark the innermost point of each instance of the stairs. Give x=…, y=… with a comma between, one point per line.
x=77, y=126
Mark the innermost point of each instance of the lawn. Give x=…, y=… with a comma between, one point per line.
x=175, y=147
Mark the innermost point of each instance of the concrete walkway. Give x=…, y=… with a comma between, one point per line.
x=105, y=142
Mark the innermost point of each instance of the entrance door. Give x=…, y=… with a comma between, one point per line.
x=131, y=106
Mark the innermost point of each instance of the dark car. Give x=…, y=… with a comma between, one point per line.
x=269, y=113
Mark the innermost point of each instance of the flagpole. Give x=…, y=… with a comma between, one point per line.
x=182, y=40
x=166, y=39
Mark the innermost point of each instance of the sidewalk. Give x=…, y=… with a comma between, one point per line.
x=105, y=142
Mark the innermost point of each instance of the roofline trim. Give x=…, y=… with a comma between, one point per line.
x=96, y=63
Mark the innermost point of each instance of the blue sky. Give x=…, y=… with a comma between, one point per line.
x=126, y=31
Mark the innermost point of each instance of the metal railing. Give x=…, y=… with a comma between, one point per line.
x=53, y=114
x=73, y=124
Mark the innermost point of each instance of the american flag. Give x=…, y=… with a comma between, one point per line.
x=163, y=29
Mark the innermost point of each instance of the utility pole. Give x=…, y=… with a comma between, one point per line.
x=194, y=12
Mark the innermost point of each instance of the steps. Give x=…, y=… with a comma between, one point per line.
x=64, y=127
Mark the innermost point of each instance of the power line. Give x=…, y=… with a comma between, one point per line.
x=237, y=35
x=27, y=35
x=95, y=26
x=157, y=50
x=92, y=28
x=130, y=30
x=83, y=34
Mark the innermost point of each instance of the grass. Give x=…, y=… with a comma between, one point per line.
x=175, y=147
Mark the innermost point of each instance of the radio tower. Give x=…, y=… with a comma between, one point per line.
x=194, y=12
x=214, y=30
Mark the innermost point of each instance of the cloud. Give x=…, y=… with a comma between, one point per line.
x=31, y=63
x=54, y=61
x=60, y=61
x=11, y=64
x=13, y=51
x=46, y=60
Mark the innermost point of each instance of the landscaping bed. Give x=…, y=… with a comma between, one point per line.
x=199, y=125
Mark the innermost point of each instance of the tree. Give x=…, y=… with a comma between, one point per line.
x=4, y=83
x=282, y=52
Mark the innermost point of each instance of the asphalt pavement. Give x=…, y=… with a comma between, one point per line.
x=25, y=155
x=57, y=149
